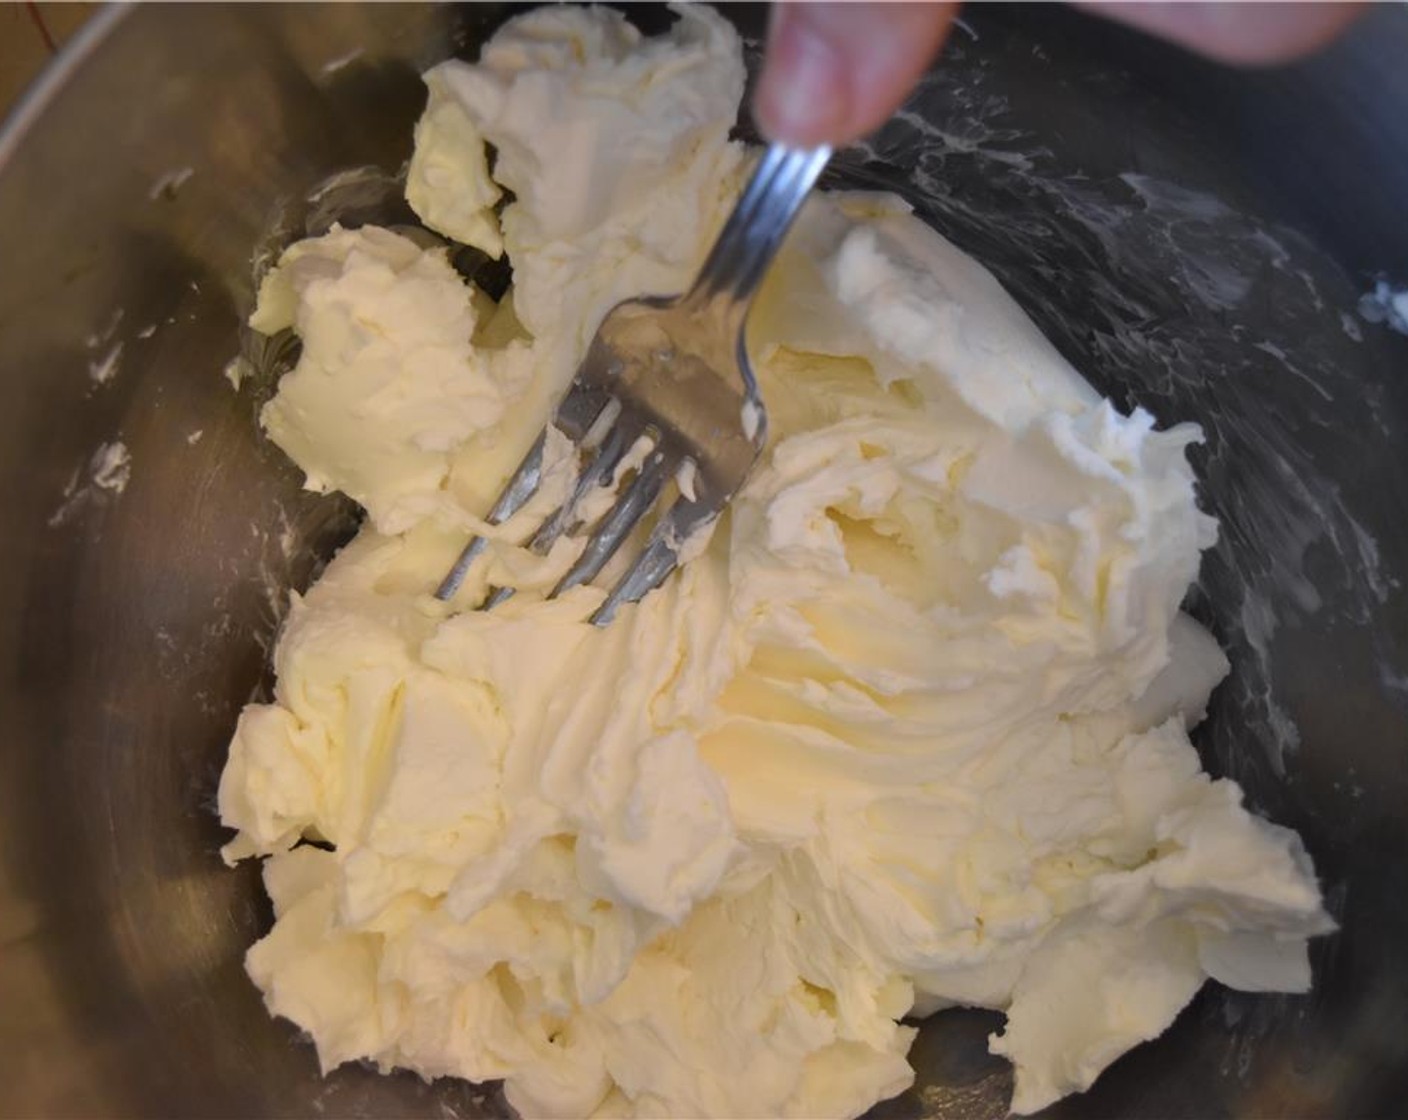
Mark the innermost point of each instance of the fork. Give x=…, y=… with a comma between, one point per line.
x=669, y=377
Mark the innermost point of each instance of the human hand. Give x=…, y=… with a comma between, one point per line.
x=835, y=71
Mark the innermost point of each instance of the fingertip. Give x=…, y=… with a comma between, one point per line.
x=836, y=71
x=803, y=95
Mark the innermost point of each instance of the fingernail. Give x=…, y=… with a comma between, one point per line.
x=802, y=98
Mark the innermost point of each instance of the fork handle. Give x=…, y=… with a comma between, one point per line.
x=750, y=238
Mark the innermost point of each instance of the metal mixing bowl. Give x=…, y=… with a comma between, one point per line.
x=1195, y=240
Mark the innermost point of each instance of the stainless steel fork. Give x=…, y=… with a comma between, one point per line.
x=672, y=372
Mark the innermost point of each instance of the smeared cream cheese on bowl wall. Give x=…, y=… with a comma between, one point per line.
x=910, y=732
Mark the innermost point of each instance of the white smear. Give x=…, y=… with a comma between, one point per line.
x=105, y=369
x=1216, y=283
x=1171, y=200
x=694, y=545
x=1311, y=289
x=974, y=144
x=686, y=478
x=1393, y=680
x=602, y=424
x=1351, y=328
x=194, y=437
x=288, y=539
x=104, y=336
x=1386, y=304
x=167, y=185
x=1370, y=564
x=752, y=417
x=333, y=65
x=112, y=467
x=147, y=331
x=107, y=472
x=236, y=370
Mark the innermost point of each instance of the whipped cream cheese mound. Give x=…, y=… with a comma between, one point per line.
x=911, y=731
x=387, y=387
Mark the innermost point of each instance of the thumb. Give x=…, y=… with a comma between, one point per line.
x=835, y=71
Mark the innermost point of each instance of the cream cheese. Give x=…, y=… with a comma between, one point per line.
x=910, y=731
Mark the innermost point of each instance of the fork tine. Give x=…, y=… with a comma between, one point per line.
x=630, y=507
x=614, y=445
x=455, y=576
x=522, y=486
x=657, y=560
x=496, y=596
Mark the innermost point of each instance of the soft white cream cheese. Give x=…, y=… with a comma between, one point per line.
x=387, y=387
x=909, y=732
